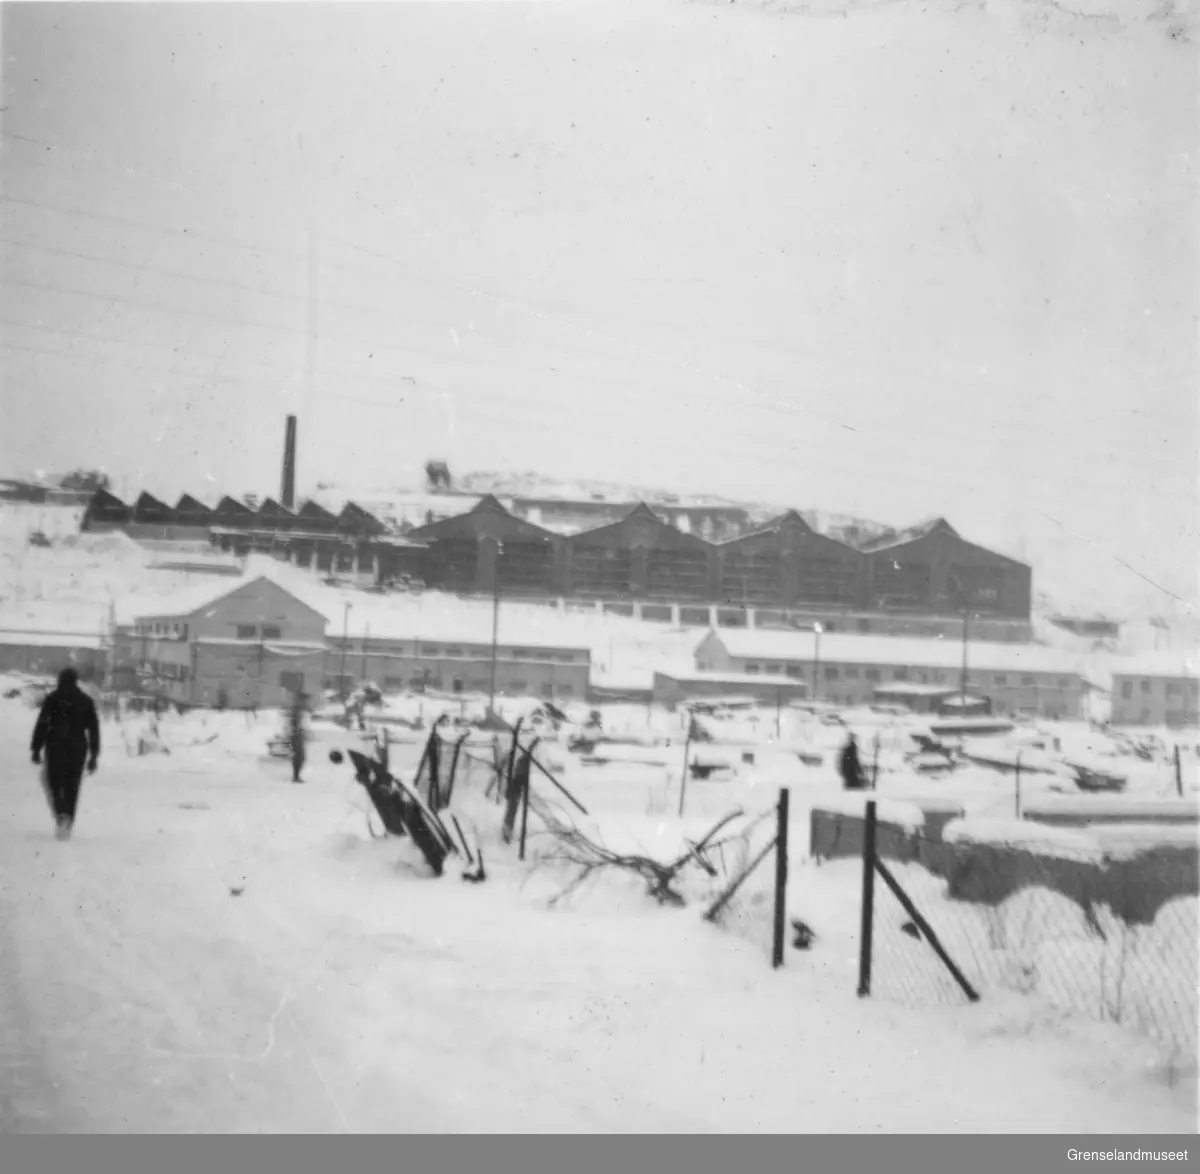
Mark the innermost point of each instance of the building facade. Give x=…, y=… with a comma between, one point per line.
x=48, y=653
x=650, y=561
x=846, y=669
x=247, y=645
x=449, y=665
x=1156, y=691
x=671, y=689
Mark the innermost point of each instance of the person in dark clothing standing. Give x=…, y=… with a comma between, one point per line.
x=68, y=733
x=851, y=767
x=296, y=736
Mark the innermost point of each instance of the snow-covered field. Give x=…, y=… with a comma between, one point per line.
x=218, y=950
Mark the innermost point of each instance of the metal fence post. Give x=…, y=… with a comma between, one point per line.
x=868, y=902
x=781, y=877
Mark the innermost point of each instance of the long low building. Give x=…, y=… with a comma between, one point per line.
x=51, y=652
x=254, y=642
x=673, y=688
x=845, y=669
x=1156, y=690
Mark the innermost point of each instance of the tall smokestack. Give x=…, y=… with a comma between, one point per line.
x=287, y=495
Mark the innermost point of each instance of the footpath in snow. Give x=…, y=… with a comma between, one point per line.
x=220, y=951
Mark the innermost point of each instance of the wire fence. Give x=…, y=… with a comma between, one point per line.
x=749, y=868
x=1091, y=937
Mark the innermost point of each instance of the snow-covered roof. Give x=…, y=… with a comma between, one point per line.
x=33, y=639
x=840, y=648
x=190, y=599
x=908, y=534
x=695, y=677
x=913, y=689
x=1157, y=664
x=1039, y=838
x=383, y=619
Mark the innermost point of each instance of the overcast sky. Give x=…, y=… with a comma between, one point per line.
x=902, y=263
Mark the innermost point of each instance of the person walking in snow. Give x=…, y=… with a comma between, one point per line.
x=296, y=736
x=68, y=733
x=851, y=767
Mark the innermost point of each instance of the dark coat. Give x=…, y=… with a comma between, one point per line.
x=67, y=727
x=851, y=767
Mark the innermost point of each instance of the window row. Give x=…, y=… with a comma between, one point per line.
x=257, y=632
x=163, y=629
x=1173, y=688
x=832, y=672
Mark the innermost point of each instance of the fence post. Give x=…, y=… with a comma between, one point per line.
x=868, y=902
x=1178, y=772
x=1017, y=799
x=385, y=749
x=781, y=877
x=512, y=757
x=525, y=810
x=875, y=767
x=687, y=746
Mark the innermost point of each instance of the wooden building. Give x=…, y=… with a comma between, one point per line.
x=932, y=568
x=786, y=571
x=1156, y=690
x=249, y=644
x=847, y=669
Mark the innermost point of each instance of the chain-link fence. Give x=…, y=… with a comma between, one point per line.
x=1114, y=941
x=749, y=872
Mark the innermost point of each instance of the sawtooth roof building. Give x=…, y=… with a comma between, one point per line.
x=780, y=573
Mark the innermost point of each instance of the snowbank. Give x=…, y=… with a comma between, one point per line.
x=1021, y=834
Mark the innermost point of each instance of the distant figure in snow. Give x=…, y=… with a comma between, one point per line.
x=68, y=731
x=851, y=767
x=296, y=736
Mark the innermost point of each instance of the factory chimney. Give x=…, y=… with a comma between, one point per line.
x=287, y=494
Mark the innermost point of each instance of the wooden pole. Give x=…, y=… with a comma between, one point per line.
x=687, y=746
x=1178, y=772
x=1018, y=785
x=512, y=757
x=868, y=902
x=781, y=878
x=963, y=696
x=495, y=628
x=525, y=807
x=875, y=765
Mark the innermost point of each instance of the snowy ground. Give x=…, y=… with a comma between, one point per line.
x=344, y=990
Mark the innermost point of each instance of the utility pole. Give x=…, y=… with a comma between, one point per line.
x=963, y=688
x=817, y=630
x=345, y=647
x=495, y=627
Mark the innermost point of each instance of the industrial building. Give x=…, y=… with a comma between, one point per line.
x=252, y=643
x=672, y=562
x=1024, y=680
x=245, y=645
x=532, y=668
x=1156, y=690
